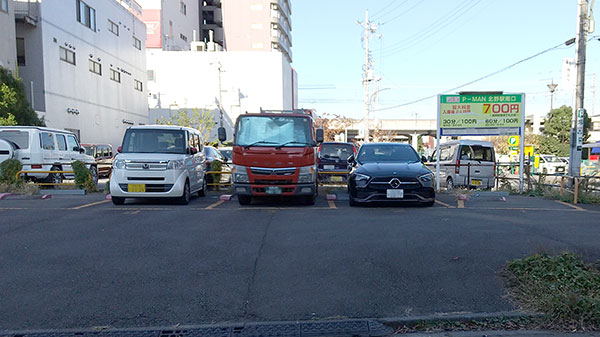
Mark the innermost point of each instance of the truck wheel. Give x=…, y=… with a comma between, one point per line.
x=244, y=199
x=310, y=200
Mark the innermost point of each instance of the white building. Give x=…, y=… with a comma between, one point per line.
x=86, y=63
x=8, y=52
x=248, y=81
x=171, y=25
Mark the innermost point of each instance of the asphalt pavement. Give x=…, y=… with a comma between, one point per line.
x=81, y=262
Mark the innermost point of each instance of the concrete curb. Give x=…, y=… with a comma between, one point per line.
x=4, y=195
x=453, y=317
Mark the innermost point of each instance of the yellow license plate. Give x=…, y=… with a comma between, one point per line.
x=136, y=187
x=475, y=182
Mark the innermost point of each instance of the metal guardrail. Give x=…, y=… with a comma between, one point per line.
x=219, y=183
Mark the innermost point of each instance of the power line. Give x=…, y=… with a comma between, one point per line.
x=393, y=9
x=386, y=7
x=403, y=13
x=479, y=79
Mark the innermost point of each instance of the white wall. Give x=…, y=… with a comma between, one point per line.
x=249, y=81
x=102, y=104
x=8, y=49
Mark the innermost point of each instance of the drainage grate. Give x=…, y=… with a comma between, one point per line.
x=350, y=328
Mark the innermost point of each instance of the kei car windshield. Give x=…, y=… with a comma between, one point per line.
x=391, y=153
x=154, y=141
x=273, y=131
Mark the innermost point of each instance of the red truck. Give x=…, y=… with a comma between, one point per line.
x=274, y=154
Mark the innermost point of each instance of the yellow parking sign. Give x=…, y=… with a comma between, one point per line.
x=513, y=141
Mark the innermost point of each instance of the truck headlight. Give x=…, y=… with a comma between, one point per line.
x=307, y=174
x=361, y=180
x=240, y=174
x=175, y=165
x=119, y=164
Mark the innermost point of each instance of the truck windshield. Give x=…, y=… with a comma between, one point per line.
x=273, y=131
x=154, y=141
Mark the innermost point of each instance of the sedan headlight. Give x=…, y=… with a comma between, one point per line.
x=361, y=180
x=240, y=174
x=426, y=178
x=119, y=164
x=307, y=174
x=175, y=165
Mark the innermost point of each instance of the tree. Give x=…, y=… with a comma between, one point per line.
x=333, y=125
x=201, y=120
x=13, y=101
x=8, y=121
x=557, y=131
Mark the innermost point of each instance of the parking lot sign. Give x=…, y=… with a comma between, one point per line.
x=513, y=141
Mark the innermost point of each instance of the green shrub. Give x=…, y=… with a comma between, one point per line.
x=8, y=171
x=216, y=166
x=83, y=177
x=562, y=286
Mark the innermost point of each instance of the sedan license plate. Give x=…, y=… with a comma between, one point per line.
x=136, y=188
x=475, y=182
x=395, y=194
x=328, y=167
x=273, y=190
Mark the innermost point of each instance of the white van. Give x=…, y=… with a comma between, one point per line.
x=157, y=161
x=44, y=149
x=464, y=160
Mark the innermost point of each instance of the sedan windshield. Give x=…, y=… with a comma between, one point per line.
x=273, y=131
x=394, y=153
x=154, y=141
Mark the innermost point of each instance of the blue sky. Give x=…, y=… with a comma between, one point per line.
x=429, y=46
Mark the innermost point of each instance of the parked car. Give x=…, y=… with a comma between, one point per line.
x=103, y=154
x=391, y=172
x=551, y=164
x=466, y=163
x=333, y=157
x=227, y=152
x=214, y=155
x=159, y=161
x=44, y=149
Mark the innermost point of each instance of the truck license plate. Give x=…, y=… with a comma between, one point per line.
x=475, y=182
x=273, y=190
x=136, y=188
x=395, y=194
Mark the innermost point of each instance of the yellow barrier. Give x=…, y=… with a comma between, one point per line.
x=218, y=172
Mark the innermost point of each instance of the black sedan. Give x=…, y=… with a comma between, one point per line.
x=389, y=172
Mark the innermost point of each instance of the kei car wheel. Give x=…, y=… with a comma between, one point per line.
x=202, y=192
x=118, y=200
x=184, y=199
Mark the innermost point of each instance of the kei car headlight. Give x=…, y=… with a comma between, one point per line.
x=426, y=178
x=240, y=174
x=175, y=165
x=361, y=180
x=119, y=164
x=307, y=174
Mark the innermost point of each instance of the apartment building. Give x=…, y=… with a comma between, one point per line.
x=258, y=25
x=8, y=52
x=83, y=63
x=171, y=25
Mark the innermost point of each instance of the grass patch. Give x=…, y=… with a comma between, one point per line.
x=519, y=323
x=563, y=287
x=20, y=187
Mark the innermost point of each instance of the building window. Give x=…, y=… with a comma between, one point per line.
x=183, y=37
x=150, y=74
x=67, y=55
x=115, y=75
x=182, y=8
x=95, y=67
x=113, y=28
x=137, y=43
x=86, y=15
x=4, y=6
x=138, y=85
x=595, y=126
x=20, y=51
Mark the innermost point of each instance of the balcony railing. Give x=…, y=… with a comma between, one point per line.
x=27, y=11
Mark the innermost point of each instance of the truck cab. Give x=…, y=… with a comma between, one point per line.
x=274, y=154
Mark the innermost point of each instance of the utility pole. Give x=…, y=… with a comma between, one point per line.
x=583, y=25
x=369, y=28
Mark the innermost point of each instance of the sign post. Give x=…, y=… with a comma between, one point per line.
x=481, y=114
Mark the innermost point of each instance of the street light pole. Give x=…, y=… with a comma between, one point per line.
x=552, y=86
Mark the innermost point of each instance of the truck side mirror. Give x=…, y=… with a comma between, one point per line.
x=320, y=136
x=222, y=134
